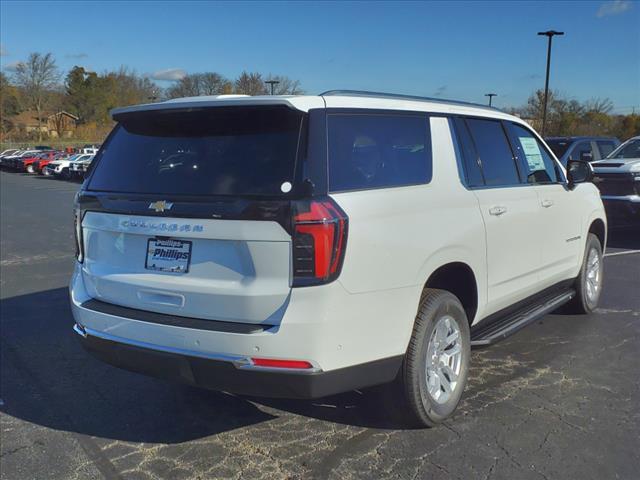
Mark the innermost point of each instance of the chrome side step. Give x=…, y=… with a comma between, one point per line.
x=503, y=327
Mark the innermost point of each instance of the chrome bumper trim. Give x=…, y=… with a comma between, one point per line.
x=622, y=198
x=238, y=361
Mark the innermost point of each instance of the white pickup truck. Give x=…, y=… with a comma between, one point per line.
x=63, y=167
x=618, y=179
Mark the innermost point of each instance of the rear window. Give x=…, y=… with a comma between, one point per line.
x=378, y=151
x=606, y=147
x=559, y=147
x=209, y=151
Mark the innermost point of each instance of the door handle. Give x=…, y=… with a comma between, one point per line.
x=497, y=211
x=546, y=203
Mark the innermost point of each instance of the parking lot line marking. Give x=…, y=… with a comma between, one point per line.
x=628, y=252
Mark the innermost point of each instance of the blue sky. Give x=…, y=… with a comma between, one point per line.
x=456, y=50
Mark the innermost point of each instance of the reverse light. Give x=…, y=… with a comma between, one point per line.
x=319, y=241
x=275, y=363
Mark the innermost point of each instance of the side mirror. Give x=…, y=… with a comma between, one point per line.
x=578, y=172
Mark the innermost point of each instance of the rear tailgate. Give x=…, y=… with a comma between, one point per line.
x=238, y=270
x=185, y=212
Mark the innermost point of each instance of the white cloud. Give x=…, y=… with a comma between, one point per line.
x=11, y=67
x=614, y=7
x=171, y=74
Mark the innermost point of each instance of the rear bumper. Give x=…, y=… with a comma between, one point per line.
x=346, y=338
x=231, y=375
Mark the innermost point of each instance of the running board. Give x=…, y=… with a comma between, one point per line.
x=508, y=325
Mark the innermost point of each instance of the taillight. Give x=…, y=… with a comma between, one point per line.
x=77, y=226
x=319, y=241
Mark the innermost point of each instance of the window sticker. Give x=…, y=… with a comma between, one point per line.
x=532, y=152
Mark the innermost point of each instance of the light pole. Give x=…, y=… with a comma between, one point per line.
x=272, y=83
x=490, y=95
x=549, y=34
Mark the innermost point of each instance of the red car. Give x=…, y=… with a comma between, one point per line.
x=39, y=165
x=33, y=164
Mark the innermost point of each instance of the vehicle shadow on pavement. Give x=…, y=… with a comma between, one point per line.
x=47, y=378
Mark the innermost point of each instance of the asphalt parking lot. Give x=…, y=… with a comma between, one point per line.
x=559, y=400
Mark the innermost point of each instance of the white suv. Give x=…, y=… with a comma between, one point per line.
x=301, y=246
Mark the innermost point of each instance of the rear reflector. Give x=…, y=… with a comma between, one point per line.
x=319, y=241
x=270, y=362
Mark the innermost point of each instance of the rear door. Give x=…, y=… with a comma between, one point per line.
x=508, y=208
x=186, y=213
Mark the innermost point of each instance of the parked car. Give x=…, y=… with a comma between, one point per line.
x=78, y=168
x=381, y=250
x=618, y=179
x=11, y=161
x=587, y=149
x=7, y=153
x=10, y=151
x=61, y=167
x=29, y=164
x=90, y=150
x=40, y=164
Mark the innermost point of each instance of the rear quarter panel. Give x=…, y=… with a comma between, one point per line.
x=399, y=236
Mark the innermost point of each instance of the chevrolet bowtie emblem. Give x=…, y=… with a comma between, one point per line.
x=160, y=206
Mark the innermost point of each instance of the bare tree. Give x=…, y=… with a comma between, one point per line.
x=37, y=77
x=599, y=105
x=250, y=84
x=188, y=86
x=212, y=83
x=208, y=83
x=285, y=85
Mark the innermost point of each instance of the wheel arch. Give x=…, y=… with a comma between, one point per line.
x=599, y=229
x=459, y=279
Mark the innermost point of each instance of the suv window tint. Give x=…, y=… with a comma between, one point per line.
x=472, y=170
x=582, y=150
x=377, y=151
x=496, y=158
x=606, y=147
x=558, y=146
x=208, y=151
x=538, y=165
x=631, y=149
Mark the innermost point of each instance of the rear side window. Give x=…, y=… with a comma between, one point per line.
x=208, y=151
x=495, y=154
x=377, y=151
x=538, y=165
x=472, y=170
x=582, y=151
x=606, y=147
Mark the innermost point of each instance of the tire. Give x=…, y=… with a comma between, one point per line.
x=29, y=168
x=65, y=173
x=427, y=400
x=588, y=284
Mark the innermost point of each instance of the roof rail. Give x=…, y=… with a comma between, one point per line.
x=364, y=93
